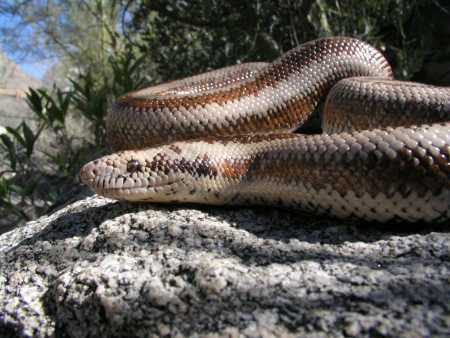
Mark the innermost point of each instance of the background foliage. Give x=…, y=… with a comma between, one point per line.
x=109, y=47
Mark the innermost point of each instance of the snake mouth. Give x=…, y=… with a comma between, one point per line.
x=124, y=186
x=134, y=192
x=113, y=183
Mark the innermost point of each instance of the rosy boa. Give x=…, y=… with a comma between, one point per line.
x=384, y=156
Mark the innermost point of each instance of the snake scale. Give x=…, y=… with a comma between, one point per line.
x=226, y=137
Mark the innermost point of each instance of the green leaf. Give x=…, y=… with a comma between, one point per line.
x=11, y=150
x=64, y=99
x=4, y=191
x=17, y=136
x=16, y=188
x=34, y=101
x=52, y=110
x=30, y=139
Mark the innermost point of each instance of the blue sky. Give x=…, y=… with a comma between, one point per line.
x=35, y=68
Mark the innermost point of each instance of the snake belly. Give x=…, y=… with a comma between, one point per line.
x=225, y=138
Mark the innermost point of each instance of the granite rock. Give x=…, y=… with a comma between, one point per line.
x=101, y=268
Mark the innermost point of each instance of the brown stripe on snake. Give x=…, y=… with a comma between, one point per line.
x=395, y=173
x=264, y=99
x=352, y=100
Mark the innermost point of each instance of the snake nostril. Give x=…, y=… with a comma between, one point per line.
x=87, y=173
x=133, y=166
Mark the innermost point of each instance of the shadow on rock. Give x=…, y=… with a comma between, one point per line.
x=108, y=268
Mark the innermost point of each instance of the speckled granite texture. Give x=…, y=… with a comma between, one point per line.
x=100, y=268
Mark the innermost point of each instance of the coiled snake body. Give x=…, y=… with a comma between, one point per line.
x=225, y=137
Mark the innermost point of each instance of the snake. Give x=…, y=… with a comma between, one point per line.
x=228, y=137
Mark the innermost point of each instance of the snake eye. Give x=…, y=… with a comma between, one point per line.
x=133, y=166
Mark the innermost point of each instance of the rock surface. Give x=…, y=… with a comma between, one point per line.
x=100, y=268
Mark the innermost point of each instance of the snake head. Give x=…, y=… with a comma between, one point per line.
x=169, y=173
